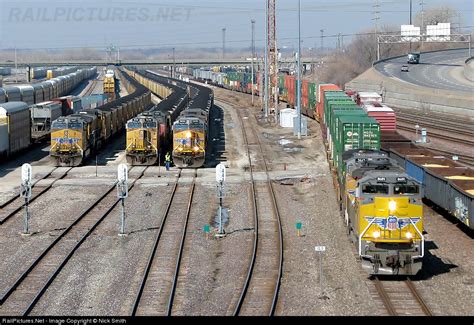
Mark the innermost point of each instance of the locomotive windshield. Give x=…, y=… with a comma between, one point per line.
x=59, y=125
x=375, y=189
x=134, y=125
x=74, y=125
x=149, y=124
x=406, y=189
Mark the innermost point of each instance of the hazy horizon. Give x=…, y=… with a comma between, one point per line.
x=183, y=24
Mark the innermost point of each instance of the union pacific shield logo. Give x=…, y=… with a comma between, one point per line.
x=392, y=223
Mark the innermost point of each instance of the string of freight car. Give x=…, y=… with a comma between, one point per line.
x=458, y=188
x=76, y=137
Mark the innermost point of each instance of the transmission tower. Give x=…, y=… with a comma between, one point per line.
x=272, y=57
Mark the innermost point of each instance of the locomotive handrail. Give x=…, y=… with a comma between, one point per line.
x=362, y=235
x=422, y=241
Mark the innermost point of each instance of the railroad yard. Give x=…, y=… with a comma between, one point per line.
x=74, y=262
x=324, y=167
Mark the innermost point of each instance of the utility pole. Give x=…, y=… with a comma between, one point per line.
x=173, y=74
x=16, y=68
x=298, y=112
x=265, y=90
x=411, y=9
x=223, y=42
x=252, y=49
x=376, y=18
x=422, y=4
x=322, y=41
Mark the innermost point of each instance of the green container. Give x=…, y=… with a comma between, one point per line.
x=333, y=100
x=338, y=112
x=356, y=132
x=341, y=106
x=312, y=89
x=281, y=82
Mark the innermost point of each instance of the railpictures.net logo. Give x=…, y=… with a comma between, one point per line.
x=97, y=14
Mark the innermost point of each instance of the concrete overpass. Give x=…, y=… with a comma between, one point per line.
x=186, y=62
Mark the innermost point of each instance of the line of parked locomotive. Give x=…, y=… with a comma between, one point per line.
x=149, y=134
x=189, y=121
x=380, y=176
x=76, y=137
x=26, y=112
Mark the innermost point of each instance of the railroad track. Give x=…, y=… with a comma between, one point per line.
x=23, y=295
x=157, y=288
x=401, y=298
x=438, y=135
x=468, y=160
x=434, y=121
x=91, y=88
x=16, y=203
x=259, y=294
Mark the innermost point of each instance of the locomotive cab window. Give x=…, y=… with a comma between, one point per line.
x=375, y=189
x=59, y=125
x=400, y=189
x=75, y=125
x=134, y=125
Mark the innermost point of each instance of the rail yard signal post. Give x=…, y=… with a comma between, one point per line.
x=122, y=193
x=220, y=179
x=321, y=250
x=25, y=192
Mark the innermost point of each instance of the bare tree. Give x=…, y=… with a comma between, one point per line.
x=438, y=14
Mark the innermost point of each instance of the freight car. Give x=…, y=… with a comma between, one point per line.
x=43, y=114
x=190, y=131
x=460, y=191
x=76, y=137
x=46, y=90
x=148, y=134
x=381, y=203
x=15, y=128
x=446, y=183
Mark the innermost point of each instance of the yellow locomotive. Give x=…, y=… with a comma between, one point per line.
x=109, y=82
x=384, y=213
x=147, y=134
x=189, y=139
x=73, y=138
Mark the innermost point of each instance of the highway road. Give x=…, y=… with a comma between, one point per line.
x=439, y=70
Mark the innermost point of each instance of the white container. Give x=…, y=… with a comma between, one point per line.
x=287, y=116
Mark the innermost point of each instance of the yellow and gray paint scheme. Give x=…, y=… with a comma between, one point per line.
x=189, y=141
x=73, y=138
x=146, y=138
x=384, y=214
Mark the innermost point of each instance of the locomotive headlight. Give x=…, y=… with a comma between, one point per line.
x=180, y=149
x=376, y=234
x=408, y=235
x=392, y=205
x=188, y=134
x=196, y=148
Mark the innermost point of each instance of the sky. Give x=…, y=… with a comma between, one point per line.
x=57, y=24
